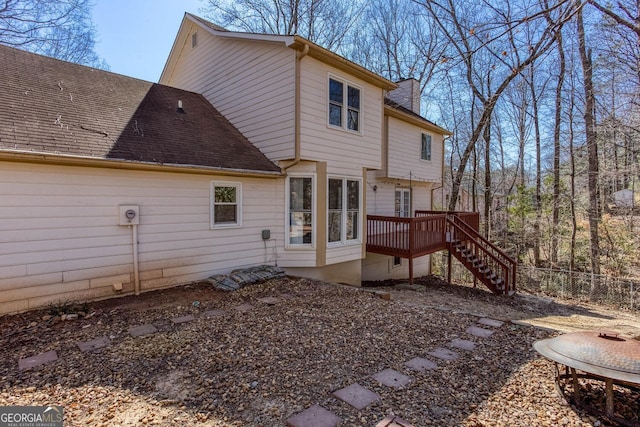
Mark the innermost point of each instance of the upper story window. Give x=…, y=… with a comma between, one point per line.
x=425, y=148
x=344, y=105
x=226, y=204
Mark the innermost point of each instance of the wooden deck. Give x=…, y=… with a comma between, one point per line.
x=411, y=238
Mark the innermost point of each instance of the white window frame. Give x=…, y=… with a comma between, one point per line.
x=430, y=139
x=345, y=105
x=343, y=231
x=287, y=228
x=212, y=204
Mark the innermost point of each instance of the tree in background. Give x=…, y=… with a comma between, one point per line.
x=57, y=28
x=324, y=22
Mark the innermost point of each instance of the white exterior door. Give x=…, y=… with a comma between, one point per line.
x=403, y=202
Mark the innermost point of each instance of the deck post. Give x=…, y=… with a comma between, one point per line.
x=449, y=266
x=410, y=270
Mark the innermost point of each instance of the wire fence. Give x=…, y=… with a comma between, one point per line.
x=620, y=292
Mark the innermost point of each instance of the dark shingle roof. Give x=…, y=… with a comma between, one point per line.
x=56, y=107
x=406, y=110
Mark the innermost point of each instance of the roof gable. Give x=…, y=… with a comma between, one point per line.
x=63, y=109
x=300, y=44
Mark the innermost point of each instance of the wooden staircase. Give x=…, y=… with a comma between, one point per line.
x=482, y=258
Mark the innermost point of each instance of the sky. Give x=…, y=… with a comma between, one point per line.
x=135, y=36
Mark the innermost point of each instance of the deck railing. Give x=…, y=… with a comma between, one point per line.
x=406, y=237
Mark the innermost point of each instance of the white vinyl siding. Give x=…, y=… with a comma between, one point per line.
x=250, y=83
x=405, y=153
x=60, y=239
x=345, y=152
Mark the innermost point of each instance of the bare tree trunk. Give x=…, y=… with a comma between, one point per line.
x=487, y=180
x=556, y=153
x=536, y=125
x=592, y=153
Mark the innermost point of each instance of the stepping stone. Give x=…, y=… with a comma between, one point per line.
x=269, y=300
x=391, y=378
x=463, y=344
x=315, y=416
x=393, y=421
x=93, y=344
x=444, y=354
x=356, y=396
x=214, y=313
x=243, y=307
x=479, y=332
x=138, y=331
x=183, y=319
x=420, y=364
x=37, y=360
x=286, y=296
x=490, y=322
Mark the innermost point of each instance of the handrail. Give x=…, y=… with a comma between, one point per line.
x=507, y=264
x=476, y=246
x=487, y=242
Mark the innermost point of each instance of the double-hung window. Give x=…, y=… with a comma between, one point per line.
x=344, y=210
x=300, y=206
x=226, y=204
x=344, y=105
x=425, y=147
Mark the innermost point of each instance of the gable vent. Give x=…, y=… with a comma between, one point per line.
x=194, y=39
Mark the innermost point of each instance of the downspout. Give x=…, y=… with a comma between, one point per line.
x=136, y=269
x=296, y=160
x=441, y=186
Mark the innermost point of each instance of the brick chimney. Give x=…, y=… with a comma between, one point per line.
x=407, y=94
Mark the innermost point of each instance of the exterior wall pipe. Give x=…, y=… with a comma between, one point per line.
x=299, y=56
x=136, y=271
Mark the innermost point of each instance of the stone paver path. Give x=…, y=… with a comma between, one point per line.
x=444, y=354
x=315, y=416
x=419, y=364
x=357, y=396
x=391, y=378
x=214, y=313
x=479, y=332
x=37, y=360
x=463, y=344
x=183, y=319
x=93, y=344
x=138, y=331
x=243, y=307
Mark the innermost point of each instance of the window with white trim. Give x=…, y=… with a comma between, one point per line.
x=425, y=147
x=344, y=206
x=226, y=204
x=344, y=105
x=300, y=210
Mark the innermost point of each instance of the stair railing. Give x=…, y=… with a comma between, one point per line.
x=485, y=251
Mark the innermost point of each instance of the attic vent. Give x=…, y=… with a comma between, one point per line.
x=194, y=39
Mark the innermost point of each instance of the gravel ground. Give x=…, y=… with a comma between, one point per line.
x=260, y=367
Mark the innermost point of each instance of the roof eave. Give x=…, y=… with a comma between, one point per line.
x=390, y=111
x=75, y=160
x=341, y=63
